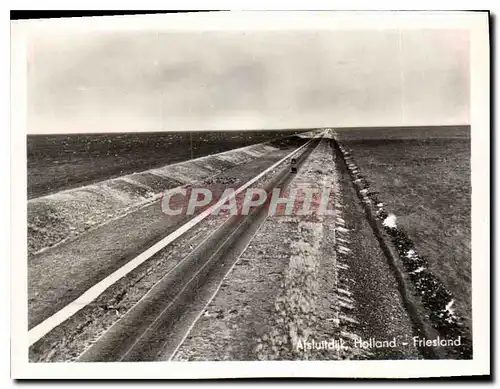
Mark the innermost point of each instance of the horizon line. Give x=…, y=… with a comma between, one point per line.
x=246, y=129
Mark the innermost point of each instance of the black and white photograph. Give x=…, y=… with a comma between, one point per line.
x=267, y=188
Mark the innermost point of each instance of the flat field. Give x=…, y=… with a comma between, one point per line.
x=422, y=175
x=58, y=162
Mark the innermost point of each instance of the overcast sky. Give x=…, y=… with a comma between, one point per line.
x=129, y=81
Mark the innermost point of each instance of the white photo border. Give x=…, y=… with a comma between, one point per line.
x=475, y=22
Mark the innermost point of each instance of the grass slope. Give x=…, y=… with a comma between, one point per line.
x=64, y=161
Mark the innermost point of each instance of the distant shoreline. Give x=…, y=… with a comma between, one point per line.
x=246, y=130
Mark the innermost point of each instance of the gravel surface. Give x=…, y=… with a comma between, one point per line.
x=380, y=308
x=69, y=340
x=283, y=292
x=307, y=287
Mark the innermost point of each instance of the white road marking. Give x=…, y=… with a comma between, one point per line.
x=182, y=261
x=40, y=330
x=215, y=292
x=213, y=295
x=176, y=296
